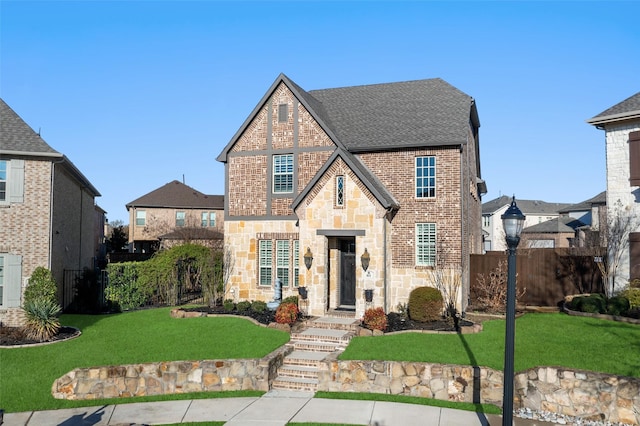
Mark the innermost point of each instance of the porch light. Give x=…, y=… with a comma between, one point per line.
x=365, y=259
x=308, y=258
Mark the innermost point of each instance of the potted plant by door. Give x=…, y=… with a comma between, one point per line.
x=302, y=291
x=368, y=295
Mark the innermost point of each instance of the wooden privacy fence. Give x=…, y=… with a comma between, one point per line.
x=546, y=274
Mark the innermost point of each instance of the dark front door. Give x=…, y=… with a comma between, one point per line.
x=348, y=272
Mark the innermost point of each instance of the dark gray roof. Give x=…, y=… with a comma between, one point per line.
x=629, y=108
x=16, y=137
x=599, y=199
x=534, y=207
x=398, y=115
x=175, y=194
x=560, y=224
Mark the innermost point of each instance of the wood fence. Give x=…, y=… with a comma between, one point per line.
x=546, y=275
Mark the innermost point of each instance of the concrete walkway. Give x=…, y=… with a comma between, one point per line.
x=275, y=408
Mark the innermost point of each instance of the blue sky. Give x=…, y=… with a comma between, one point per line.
x=140, y=93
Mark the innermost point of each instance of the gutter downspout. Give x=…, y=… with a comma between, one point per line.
x=385, y=259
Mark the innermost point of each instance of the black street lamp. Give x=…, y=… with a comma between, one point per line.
x=512, y=221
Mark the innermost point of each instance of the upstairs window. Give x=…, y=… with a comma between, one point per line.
x=180, y=216
x=426, y=177
x=283, y=173
x=208, y=219
x=339, y=191
x=283, y=113
x=3, y=180
x=141, y=218
x=425, y=244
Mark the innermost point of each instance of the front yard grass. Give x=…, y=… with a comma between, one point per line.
x=541, y=340
x=27, y=374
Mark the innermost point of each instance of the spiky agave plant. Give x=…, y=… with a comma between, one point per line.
x=42, y=319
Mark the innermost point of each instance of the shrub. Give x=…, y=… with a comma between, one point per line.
x=618, y=305
x=593, y=304
x=375, y=319
x=42, y=318
x=258, y=306
x=243, y=306
x=425, y=304
x=41, y=286
x=287, y=313
x=228, y=305
x=633, y=295
x=290, y=299
x=124, y=289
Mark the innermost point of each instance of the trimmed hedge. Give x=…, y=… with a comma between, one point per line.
x=425, y=304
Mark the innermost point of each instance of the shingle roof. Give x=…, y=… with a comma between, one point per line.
x=560, y=224
x=175, y=194
x=536, y=207
x=629, y=108
x=397, y=115
x=601, y=198
x=16, y=137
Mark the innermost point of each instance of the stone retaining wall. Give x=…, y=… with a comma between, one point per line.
x=569, y=392
x=170, y=377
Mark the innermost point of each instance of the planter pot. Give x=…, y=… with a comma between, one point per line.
x=302, y=291
x=368, y=295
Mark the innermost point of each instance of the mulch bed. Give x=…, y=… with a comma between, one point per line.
x=14, y=336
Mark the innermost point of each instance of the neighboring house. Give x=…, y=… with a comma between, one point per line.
x=555, y=233
x=47, y=211
x=174, y=213
x=621, y=124
x=376, y=185
x=593, y=213
x=535, y=211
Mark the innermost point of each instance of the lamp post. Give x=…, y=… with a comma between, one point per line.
x=512, y=221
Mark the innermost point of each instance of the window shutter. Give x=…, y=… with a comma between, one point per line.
x=16, y=181
x=634, y=255
x=634, y=158
x=12, y=281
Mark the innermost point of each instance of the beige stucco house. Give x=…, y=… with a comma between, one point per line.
x=376, y=185
x=48, y=215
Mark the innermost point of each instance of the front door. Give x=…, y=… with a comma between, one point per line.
x=347, y=272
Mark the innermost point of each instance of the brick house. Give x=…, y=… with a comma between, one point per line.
x=47, y=214
x=378, y=184
x=172, y=214
x=621, y=124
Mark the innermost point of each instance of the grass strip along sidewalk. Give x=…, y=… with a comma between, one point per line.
x=26, y=374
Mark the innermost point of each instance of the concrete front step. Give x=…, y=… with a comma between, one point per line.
x=335, y=323
x=309, y=346
x=305, y=358
x=298, y=371
x=323, y=335
x=295, y=383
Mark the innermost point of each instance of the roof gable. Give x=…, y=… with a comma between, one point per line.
x=178, y=195
x=562, y=224
x=625, y=110
x=16, y=137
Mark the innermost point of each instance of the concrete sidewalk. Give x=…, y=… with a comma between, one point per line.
x=276, y=408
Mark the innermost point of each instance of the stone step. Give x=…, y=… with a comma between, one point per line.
x=323, y=335
x=317, y=346
x=305, y=358
x=295, y=383
x=335, y=323
x=299, y=371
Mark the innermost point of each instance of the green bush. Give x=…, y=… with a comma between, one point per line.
x=41, y=285
x=258, y=306
x=125, y=291
x=592, y=303
x=618, y=305
x=42, y=318
x=425, y=304
x=243, y=306
x=291, y=299
x=229, y=305
x=633, y=295
x=375, y=319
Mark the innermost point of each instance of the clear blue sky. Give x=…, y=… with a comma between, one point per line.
x=140, y=93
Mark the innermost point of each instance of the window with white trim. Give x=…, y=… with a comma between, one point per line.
x=3, y=181
x=208, y=219
x=283, y=173
x=425, y=244
x=141, y=217
x=266, y=261
x=11, y=181
x=180, y=218
x=282, y=262
x=296, y=263
x=426, y=177
x=339, y=191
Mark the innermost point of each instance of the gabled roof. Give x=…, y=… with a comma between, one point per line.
x=175, y=194
x=17, y=138
x=600, y=199
x=625, y=110
x=383, y=116
x=562, y=224
x=533, y=207
x=378, y=190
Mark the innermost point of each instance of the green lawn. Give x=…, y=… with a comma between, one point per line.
x=26, y=374
x=541, y=340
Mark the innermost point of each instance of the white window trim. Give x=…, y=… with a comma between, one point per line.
x=423, y=186
x=426, y=249
x=278, y=173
